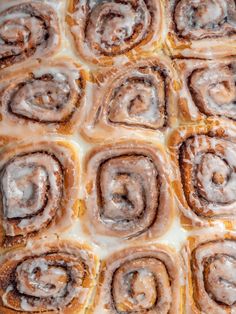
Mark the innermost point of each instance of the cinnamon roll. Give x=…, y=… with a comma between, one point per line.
x=38, y=182
x=45, y=97
x=127, y=191
x=211, y=280
x=103, y=31
x=27, y=29
x=139, y=99
x=139, y=280
x=205, y=160
x=208, y=89
x=54, y=277
x=202, y=28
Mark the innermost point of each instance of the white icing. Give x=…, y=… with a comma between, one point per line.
x=103, y=246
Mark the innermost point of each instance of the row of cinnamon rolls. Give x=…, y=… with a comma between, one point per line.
x=126, y=190
x=66, y=277
x=104, y=31
x=144, y=98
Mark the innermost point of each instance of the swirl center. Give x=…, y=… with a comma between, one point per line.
x=138, y=97
x=213, y=179
x=11, y=33
x=115, y=27
x=213, y=90
x=208, y=15
x=125, y=198
x=19, y=31
x=22, y=195
x=139, y=100
x=46, y=96
x=123, y=188
x=27, y=29
x=199, y=19
x=36, y=277
x=134, y=286
x=26, y=185
x=222, y=92
x=220, y=279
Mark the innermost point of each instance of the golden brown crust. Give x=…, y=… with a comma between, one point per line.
x=140, y=279
x=103, y=32
x=39, y=179
x=47, y=277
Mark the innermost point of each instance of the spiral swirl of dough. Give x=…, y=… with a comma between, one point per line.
x=27, y=29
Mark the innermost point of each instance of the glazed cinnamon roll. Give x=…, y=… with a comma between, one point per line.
x=200, y=28
x=44, y=97
x=127, y=191
x=139, y=280
x=206, y=177
x=140, y=99
x=38, y=182
x=27, y=29
x=47, y=278
x=208, y=89
x=211, y=282
x=108, y=29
